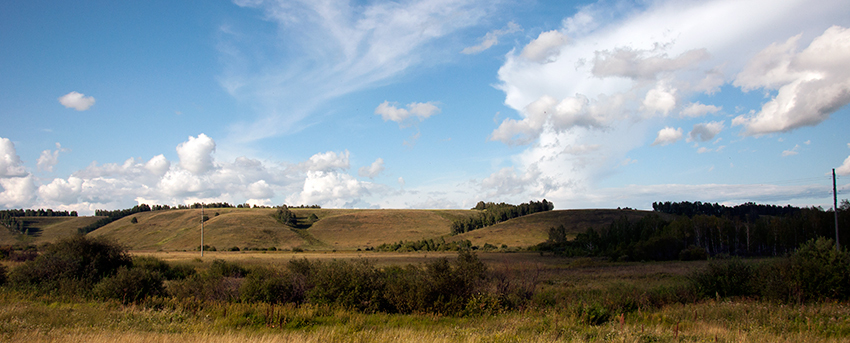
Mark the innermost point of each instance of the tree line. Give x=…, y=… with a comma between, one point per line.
x=493, y=213
x=764, y=230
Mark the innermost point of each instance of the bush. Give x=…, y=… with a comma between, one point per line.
x=3, y=277
x=226, y=269
x=130, y=285
x=693, y=253
x=356, y=285
x=167, y=271
x=818, y=271
x=726, y=278
x=71, y=265
x=272, y=286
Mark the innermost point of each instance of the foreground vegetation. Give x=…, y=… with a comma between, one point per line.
x=84, y=289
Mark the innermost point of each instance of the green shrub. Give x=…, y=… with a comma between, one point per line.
x=71, y=265
x=166, y=270
x=818, y=271
x=693, y=253
x=726, y=278
x=272, y=286
x=205, y=287
x=130, y=285
x=355, y=285
x=593, y=314
x=226, y=269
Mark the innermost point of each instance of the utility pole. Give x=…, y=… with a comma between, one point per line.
x=835, y=209
x=202, y=230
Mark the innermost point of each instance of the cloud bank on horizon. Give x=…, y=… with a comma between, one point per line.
x=616, y=104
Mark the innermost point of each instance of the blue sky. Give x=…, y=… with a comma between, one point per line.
x=422, y=104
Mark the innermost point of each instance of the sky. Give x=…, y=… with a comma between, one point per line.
x=423, y=104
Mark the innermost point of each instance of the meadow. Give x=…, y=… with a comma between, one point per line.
x=568, y=291
x=324, y=282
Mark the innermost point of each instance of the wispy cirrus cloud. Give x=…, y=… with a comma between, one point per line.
x=332, y=48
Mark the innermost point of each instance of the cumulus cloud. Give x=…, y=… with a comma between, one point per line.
x=328, y=161
x=697, y=109
x=668, y=135
x=570, y=112
x=704, y=132
x=332, y=189
x=77, y=101
x=62, y=191
x=401, y=116
x=545, y=47
x=660, y=99
x=810, y=85
x=10, y=163
x=259, y=190
x=17, y=192
x=196, y=154
x=844, y=169
x=49, y=159
x=158, y=165
x=491, y=38
x=373, y=170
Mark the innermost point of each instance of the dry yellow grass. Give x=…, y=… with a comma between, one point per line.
x=370, y=228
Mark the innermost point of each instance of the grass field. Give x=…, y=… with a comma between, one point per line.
x=568, y=282
x=45, y=229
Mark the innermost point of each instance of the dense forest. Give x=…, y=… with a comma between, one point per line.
x=700, y=230
x=492, y=213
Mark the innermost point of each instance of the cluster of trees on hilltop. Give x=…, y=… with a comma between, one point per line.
x=493, y=213
x=700, y=235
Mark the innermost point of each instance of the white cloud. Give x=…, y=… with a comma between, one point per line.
x=17, y=192
x=642, y=64
x=10, y=163
x=330, y=189
x=704, y=132
x=401, y=116
x=491, y=38
x=77, y=101
x=811, y=84
x=49, y=159
x=259, y=190
x=61, y=191
x=158, y=165
x=668, y=135
x=328, y=161
x=792, y=152
x=373, y=170
x=698, y=110
x=196, y=154
x=660, y=99
x=545, y=47
x=844, y=169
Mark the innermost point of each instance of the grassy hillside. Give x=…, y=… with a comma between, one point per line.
x=533, y=229
x=336, y=229
x=370, y=228
x=45, y=229
x=181, y=230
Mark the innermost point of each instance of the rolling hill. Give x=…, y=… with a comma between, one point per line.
x=336, y=229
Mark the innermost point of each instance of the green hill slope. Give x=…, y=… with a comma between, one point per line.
x=45, y=229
